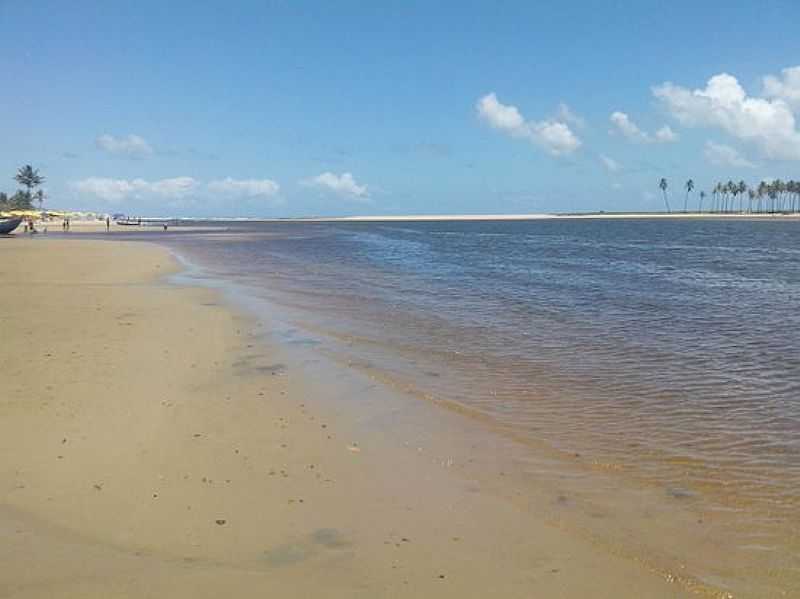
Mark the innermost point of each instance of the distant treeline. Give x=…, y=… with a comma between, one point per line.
x=776, y=196
x=19, y=201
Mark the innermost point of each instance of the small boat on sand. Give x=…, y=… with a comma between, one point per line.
x=7, y=225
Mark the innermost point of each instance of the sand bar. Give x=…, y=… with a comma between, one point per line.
x=152, y=446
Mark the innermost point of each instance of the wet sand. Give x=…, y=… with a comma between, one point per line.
x=152, y=444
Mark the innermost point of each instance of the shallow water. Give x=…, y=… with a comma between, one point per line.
x=666, y=351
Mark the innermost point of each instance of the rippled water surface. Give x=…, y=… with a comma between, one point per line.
x=669, y=350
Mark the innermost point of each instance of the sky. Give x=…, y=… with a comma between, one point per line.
x=279, y=109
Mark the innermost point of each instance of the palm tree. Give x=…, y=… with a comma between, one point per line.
x=689, y=188
x=29, y=177
x=663, y=186
x=772, y=192
x=733, y=189
x=702, y=197
x=760, y=193
x=741, y=188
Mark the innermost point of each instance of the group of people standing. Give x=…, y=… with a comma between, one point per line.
x=30, y=226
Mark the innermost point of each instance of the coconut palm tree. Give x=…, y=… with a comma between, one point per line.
x=761, y=192
x=29, y=178
x=702, y=197
x=741, y=188
x=689, y=188
x=663, y=187
x=772, y=192
x=733, y=190
x=717, y=193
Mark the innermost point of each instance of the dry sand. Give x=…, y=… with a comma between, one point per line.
x=150, y=446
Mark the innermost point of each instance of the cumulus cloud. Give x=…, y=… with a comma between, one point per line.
x=786, y=87
x=722, y=155
x=118, y=190
x=176, y=188
x=251, y=188
x=343, y=184
x=611, y=165
x=130, y=146
x=768, y=124
x=632, y=132
x=555, y=136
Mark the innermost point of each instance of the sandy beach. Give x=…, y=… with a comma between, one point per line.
x=152, y=446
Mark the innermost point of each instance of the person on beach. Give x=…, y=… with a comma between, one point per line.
x=108, y=224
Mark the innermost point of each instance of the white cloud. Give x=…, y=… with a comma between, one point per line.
x=251, y=188
x=768, y=124
x=110, y=190
x=176, y=187
x=632, y=132
x=722, y=155
x=555, y=136
x=611, y=165
x=786, y=87
x=131, y=146
x=118, y=190
x=343, y=184
x=666, y=135
x=627, y=127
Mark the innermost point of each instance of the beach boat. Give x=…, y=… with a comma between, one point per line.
x=7, y=225
x=129, y=222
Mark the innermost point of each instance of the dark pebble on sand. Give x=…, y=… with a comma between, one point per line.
x=220, y=522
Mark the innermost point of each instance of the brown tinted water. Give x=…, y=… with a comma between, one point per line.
x=647, y=371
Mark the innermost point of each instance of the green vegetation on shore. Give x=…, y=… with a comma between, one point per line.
x=769, y=197
x=29, y=178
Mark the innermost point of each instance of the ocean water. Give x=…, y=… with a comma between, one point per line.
x=667, y=351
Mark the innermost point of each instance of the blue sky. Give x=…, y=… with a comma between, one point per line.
x=297, y=108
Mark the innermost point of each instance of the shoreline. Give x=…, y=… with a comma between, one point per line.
x=543, y=216
x=385, y=522
x=154, y=224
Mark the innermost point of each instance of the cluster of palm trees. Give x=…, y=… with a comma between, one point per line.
x=30, y=179
x=776, y=196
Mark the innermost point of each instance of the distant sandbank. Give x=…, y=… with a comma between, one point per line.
x=545, y=216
